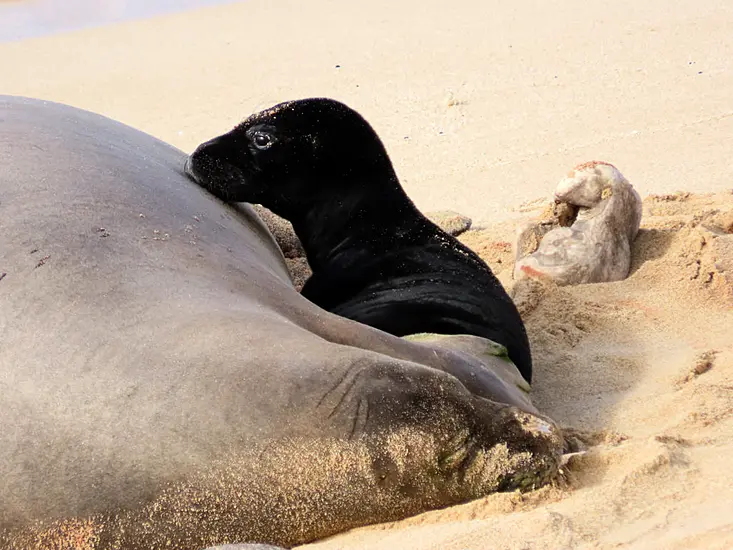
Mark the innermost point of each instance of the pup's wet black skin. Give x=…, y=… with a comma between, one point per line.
x=375, y=258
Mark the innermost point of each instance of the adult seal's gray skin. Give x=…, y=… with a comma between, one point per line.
x=375, y=258
x=162, y=385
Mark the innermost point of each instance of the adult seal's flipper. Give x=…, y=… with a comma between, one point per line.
x=487, y=360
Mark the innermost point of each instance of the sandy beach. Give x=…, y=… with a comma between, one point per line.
x=483, y=107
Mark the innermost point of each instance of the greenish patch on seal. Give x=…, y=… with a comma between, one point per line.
x=497, y=350
x=492, y=348
x=424, y=336
x=483, y=349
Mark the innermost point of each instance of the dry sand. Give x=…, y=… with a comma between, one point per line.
x=483, y=107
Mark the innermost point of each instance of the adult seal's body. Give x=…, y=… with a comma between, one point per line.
x=375, y=258
x=162, y=385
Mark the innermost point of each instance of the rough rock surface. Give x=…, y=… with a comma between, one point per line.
x=449, y=221
x=596, y=245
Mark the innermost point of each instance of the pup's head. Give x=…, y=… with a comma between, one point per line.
x=291, y=155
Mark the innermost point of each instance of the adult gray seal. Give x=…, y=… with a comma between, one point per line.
x=163, y=385
x=375, y=258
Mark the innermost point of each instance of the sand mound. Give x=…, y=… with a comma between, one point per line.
x=640, y=373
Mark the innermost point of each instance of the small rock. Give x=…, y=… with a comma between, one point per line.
x=451, y=222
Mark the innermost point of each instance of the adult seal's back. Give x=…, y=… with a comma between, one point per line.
x=163, y=385
x=375, y=258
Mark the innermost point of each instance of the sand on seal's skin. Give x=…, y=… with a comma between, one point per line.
x=483, y=106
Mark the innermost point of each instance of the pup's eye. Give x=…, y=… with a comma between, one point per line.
x=263, y=140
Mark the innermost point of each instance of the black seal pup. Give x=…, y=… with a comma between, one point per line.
x=375, y=258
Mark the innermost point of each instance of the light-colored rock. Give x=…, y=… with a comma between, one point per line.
x=596, y=246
